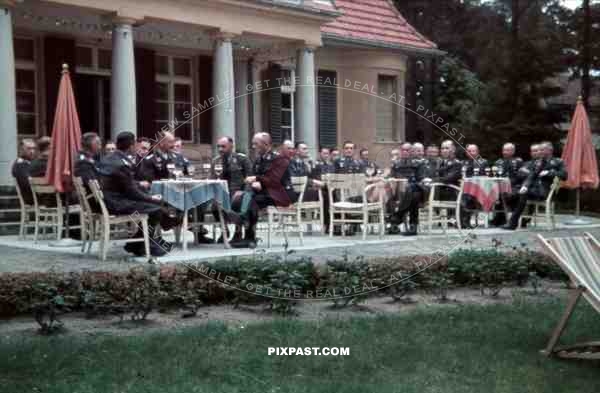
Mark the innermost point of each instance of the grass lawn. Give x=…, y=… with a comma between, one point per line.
x=437, y=349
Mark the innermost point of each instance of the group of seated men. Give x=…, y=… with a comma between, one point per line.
x=421, y=167
x=127, y=167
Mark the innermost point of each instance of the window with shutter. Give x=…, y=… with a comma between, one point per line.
x=386, y=109
x=275, y=105
x=327, y=107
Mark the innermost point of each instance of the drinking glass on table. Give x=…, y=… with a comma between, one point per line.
x=218, y=169
x=494, y=171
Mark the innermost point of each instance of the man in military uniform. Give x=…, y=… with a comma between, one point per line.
x=323, y=165
x=433, y=161
x=21, y=169
x=287, y=149
x=474, y=165
x=367, y=166
x=123, y=194
x=86, y=165
x=538, y=177
x=347, y=163
x=335, y=154
x=270, y=185
x=160, y=163
x=412, y=170
x=449, y=171
x=143, y=146
x=40, y=163
x=508, y=166
x=301, y=164
x=236, y=167
x=418, y=151
x=181, y=162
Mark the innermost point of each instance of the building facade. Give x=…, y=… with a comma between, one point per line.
x=313, y=70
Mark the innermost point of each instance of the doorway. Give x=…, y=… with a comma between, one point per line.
x=93, y=104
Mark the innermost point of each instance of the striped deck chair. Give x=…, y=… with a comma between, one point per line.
x=579, y=257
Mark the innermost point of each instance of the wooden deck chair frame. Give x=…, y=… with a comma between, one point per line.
x=89, y=219
x=547, y=205
x=25, y=211
x=442, y=206
x=291, y=216
x=353, y=185
x=586, y=350
x=106, y=220
x=46, y=217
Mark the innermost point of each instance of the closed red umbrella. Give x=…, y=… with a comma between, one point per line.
x=66, y=141
x=579, y=154
x=66, y=137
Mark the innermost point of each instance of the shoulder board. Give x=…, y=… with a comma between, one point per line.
x=240, y=154
x=125, y=161
x=82, y=157
x=20, y=160
x=149, y=157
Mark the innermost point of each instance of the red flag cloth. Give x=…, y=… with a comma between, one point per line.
x=66, y=137
x=579, y=154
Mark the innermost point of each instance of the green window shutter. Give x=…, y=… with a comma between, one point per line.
x=327, y=107
x=275, y=104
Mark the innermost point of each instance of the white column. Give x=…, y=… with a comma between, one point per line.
x=256, y=98
x=241, y=105
x=306, y=101
x=223, y=88
x=123, y=109
x=8, y=107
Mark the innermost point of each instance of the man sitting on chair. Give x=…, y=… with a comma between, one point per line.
x=235, y=168
x=539, y=175
x=21, y=169
x=124, y=195
x=413, y=171
x=271, y=185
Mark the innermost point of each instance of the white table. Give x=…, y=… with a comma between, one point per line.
x=186, y=194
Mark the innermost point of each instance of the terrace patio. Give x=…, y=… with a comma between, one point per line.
x=27, y=256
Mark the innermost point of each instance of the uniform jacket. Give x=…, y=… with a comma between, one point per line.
x=449, y=171
x=38, y=166
x=346, y=165
x=510, y=168
x=86, y=167
x=432, y=166
x=539, y=186
x=474, y=167
x=273, y=173
x=236, y=168
x=154, y=166
x=322, y=168
x=364, y=164
x=117, y=176
x=21, y=172
x=411, y=169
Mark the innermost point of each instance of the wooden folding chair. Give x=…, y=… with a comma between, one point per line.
x=579, y=257
x=46, y=216
x=89, y=219
x=25, y=210
x=350, y=203
x=545, y=207
x=107, y=220
x=291, y=216
x=436, y=210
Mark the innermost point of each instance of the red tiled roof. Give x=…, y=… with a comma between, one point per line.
x=375, y=20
